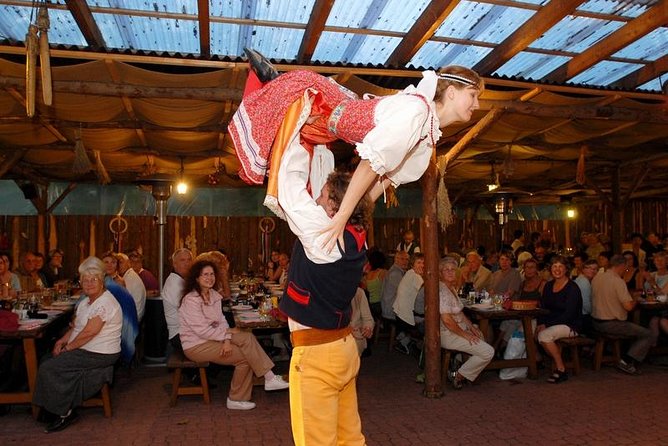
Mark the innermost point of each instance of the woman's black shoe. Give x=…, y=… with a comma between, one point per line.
x=264, y=70
x=61, y=423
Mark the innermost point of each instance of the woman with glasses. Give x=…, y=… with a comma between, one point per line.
x=82, y=360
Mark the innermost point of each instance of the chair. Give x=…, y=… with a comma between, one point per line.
x=572, y=346
x=103, y=399
x=178, y=362
x=446, y=358
x=615, y=342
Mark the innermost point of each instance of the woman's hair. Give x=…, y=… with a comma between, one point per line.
x=559, y=259
x=447, y=260
x=111, y=254
x=632, y=254
x=458, y=77
x=338, y=182
x=376, y=259
x=92, y=266
x=194, y=272
x=530, y=260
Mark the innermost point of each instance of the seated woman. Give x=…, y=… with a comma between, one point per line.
x=8, y=280
x=361, y=320
x=82, y=360
x=632, y=276
x=657, y=282
x=206, y=336
x=373, y=281
x=457, y=331
x=561, y=296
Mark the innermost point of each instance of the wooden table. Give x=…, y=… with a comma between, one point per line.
x=270, y=324
x=648, y=307
x=482, y=317
x=28, y=334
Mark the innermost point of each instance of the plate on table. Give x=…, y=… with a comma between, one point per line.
x=242, y=307
x=483, y=306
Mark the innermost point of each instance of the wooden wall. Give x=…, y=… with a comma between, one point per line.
x=241, y=236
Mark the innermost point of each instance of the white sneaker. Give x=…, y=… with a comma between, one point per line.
x=277, y=383
x=240, y=405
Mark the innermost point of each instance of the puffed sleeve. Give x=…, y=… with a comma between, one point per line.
x=392, y=145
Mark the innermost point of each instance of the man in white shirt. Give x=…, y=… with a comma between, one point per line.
x=172, y=292
x=133, y=283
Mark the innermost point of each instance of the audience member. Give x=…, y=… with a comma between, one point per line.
x=583, y=281
x=361, y=320
x=111, y=261
x=636, y=246
x=506, y=280
x=206, y=337
x=562, y=298
x=8, y=280
x=27, y=273
x=133, y=283
x=474, y=273
x=373, y=280
x=147, y=277
x=632, y=275
x=404, y=304
x=53, y=270
x=518, y=242
x=172, y=291
x=457, y=331
x=611, y=303
x=391, y=283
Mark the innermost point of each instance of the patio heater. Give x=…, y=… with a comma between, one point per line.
x=503, y=206
x=161, y=189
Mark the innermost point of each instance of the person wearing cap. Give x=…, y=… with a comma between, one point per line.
x=147, y=277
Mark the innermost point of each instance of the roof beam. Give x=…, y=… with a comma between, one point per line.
x=644, y=74
x=532, y=29
x=314, y=29
x=10, y=160
x=424, y=27
x=84, y=18
x=642, y=25
x=204, y=28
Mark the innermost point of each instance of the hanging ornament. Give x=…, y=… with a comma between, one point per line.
x=580, y=177
x=43, y=24
x=32, y=47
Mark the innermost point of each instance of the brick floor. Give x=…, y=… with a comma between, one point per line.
x=595, y=408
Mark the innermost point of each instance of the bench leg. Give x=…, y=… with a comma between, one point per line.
x=176, y=382
x=445, y=365
x=598, y=354
x=106, y=400
x=205, y=385
x=575, y=359
x=616, y=350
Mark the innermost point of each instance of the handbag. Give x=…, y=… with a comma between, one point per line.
x=9, y=321
x=516, y=349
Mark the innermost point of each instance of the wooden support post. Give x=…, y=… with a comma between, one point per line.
x=41, y=233
x=433, y=387
x=617, y=212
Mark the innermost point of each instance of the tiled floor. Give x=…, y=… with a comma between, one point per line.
x=595, y=408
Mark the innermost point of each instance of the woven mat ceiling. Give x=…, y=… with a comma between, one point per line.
x=147, y=86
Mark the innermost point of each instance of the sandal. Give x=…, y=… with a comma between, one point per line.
x=558, y=377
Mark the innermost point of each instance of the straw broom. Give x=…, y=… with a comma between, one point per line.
x=81, y=164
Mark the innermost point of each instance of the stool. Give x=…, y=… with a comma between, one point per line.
x=393, y=331
x=178, y=362
x=103, y=399
x=572, y=345
x=614, y=340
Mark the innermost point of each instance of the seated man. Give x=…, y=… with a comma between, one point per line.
x=27, y=273
x=457, y=331
x=474, y=273
x=391, y=284
x=133, y=283
x=611, y=303
x=146, y=276
x=404, y=305
x=172, y=292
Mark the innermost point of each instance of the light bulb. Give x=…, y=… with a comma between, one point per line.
x=570, y=213
x=181, y=188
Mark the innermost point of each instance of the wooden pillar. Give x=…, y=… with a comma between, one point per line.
x=429, y=234
x=16, y=237
x=41, y=233
x=617, y=212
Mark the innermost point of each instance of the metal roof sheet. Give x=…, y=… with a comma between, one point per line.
x=576, y=34
x=649, y=47
x=531, y=65
x=604, y=73
x=624, y=8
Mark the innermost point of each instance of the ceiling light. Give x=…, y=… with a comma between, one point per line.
x=182, y=186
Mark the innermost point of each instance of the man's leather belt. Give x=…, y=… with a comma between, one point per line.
x=317, y=336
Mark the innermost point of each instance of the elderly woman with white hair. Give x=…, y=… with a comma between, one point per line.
x=82, y=360
x=457, y=331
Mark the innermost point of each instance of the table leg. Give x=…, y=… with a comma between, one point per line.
x=531, y=347
x=636, y=316
x=30, y=355
x=483, y=325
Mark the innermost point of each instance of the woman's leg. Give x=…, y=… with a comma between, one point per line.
x=548, y=338
x=481, y=354
x=255, y=355
x=241, y=386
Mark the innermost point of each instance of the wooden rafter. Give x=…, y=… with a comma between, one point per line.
x=70, y=187
x=10, y=160
x=635, y=184
x=204, y=27
x=21, y=100
x=644, y=74
x=86, y=22
x=645, y=23
x=532, y=29
x=479, y=127
x=423, y=28
x=314, y=29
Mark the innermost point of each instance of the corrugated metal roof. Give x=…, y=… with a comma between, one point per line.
x=359, y=32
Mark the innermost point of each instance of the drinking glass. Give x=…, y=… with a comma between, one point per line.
x=498, y=302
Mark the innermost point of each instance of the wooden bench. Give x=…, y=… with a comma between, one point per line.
x=615, y=342
x=103, y=399
x=572, y=346
x=178, y=362
x=446, y=357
